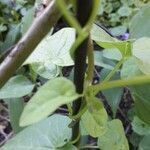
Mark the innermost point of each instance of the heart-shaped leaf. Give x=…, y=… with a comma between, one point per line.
x=49, y=97
x=53, y=51
x=103, y=39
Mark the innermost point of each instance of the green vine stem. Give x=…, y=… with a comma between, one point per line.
x=95, y=8
x=119, y=83
x=76, y=44
x=112, y=72
x=86, y=13
x=90, y=68
x=90, y=147
x=77, y=116
x=67, y=15
x=82, y=32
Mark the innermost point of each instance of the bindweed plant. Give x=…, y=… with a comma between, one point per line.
x=125, y=64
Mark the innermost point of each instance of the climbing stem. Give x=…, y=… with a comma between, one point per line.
x=119, y=83
x=68, y=16
x=90, y=68
x=112, y=72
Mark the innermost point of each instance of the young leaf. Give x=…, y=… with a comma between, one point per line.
x=114, y=138
x=45, y=70
x=103, y=39
x=91, y=126
x=53, y=51
x=94, y=120
x=49, y=97
x=49, y=134
x=16, y=87
x=98, y=34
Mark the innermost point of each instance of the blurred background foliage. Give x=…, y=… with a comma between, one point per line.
x=11, y=14
x=17, y=15
x=116, y=14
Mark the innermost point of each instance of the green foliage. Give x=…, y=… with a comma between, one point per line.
x=117, y=13
x=94, y=120
x=145, y=144
x=48, y=98
x=99, y=60
x=112, y=53
x=11, y=13
x=27, y=20
x=140, y=127
x=139, y=26
x=12, y=37
x=141, y=50
x=114, y=137
x=53, y=130
x=113, y=96
x=142, y=103
x=130, y=68
x=51, y=53
x=104, y=40
x=135, y=139
x=122, y=62
x=17, y=86
x=15, y=106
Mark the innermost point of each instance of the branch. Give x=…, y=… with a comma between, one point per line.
x=40, y=27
